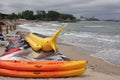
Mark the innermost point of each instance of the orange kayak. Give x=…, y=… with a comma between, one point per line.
x=41, y=74
x=42, y=66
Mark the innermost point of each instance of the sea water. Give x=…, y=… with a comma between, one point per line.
x=100, y=38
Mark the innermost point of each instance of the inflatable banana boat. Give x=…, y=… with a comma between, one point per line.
x=46, y=44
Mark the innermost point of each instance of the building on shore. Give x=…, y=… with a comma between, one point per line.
x=7, y=26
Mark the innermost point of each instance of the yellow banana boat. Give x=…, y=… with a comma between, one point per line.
x=45, y=44
x=34, y=46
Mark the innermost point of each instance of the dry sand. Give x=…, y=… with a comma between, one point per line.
x=97, y=69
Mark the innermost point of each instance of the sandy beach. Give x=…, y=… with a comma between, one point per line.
x=80, y=31
x=97, y=69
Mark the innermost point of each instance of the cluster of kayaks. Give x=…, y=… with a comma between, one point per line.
x=37, y=69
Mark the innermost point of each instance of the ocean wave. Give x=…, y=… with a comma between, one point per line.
x=55, y=25
x=80, y=34
x=38, y=25
x=94, y=26
x=109, y=55
x=98, y=37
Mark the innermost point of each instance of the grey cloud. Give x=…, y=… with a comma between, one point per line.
x=101, y=9
x=1, y=5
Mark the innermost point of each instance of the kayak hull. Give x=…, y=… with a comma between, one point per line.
x=42, y=66
x=41, y=74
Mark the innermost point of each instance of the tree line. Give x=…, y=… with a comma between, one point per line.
x=40, y=15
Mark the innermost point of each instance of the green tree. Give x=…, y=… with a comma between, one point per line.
x=13, y=16
x=19, y=15
x=2, y=16
x=53, y=15
x=66, y=16
x=41, y=15
x=28, y=14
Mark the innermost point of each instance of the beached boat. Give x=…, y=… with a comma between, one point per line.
x=39, y=69
x=42, y=66
x=11, y=51
x=35, y=46
x=41, y=74
x=46, y=44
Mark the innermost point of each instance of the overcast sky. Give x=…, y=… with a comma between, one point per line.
x=102, y=9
